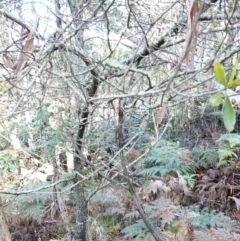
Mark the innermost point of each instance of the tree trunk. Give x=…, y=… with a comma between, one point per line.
x=81, y=215
x=4, y=231
x=80, y=232
x=81, y=212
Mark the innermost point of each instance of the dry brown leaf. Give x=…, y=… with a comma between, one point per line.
x=237, y=201
x=193, y=12
x=28, y=48
x=186, y=157
x=7, y=62
x=173, y=183
x=160, y=114
x=155, y=187
x=213, y=174
x=191, y=27
x=183, y=184
x=159, y=185
x=167, y=214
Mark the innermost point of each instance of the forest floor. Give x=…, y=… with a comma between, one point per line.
x=215, y=188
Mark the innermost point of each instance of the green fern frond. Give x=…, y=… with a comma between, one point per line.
x=205, y=156
x=232, y=138
x=105, y=198
x=132, y=215
x=134, y=229
x=31, y=203
x=114, y=210
x=164, y=169
x=205, y=219
x=225, y=153
x=224, y=163
x=111, y=202
x=138, y=231
x=202, y=236
x=165, y=159
x=34, y=210
x=160, y=202
x=225, y=222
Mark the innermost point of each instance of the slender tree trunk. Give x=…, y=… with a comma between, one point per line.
x=4, y=231
x=81, y=206
x=81, y=215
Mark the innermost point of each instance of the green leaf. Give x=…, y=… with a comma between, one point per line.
x=47, y=104
x=233, y=73
x=215, y=99
x=173, y=229
x=190, y=179
x=229, y=117
x=151, y=126
x=220, y=73
x=234, y=83
x=43, y=116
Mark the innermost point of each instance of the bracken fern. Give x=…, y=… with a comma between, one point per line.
x=164, y=158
